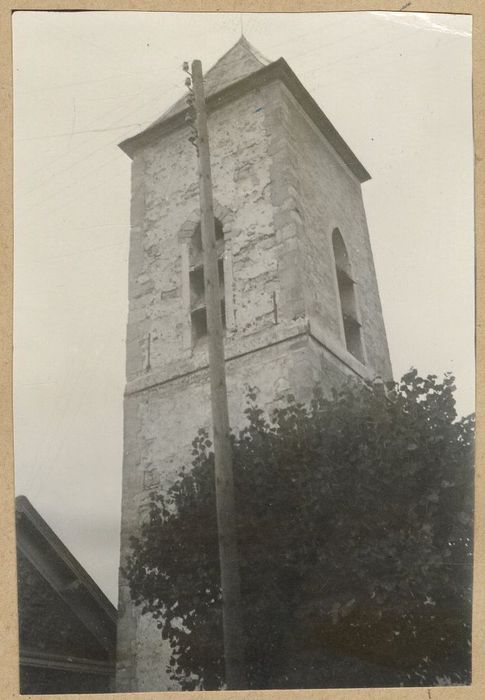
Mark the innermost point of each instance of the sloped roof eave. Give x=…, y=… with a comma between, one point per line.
x=24, y=508
x=277, y=70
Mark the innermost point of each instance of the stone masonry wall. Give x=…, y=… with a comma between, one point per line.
x=326, y=195
x=275, y=182
x=163, y=421
x=167, y=395
x=165, y=186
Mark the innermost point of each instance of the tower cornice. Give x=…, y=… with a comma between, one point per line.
x=277, y=70
x=303, y=329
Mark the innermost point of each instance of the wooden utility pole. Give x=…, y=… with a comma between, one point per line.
x=226, y=515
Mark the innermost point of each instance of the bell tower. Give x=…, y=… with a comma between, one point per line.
x=298, y=288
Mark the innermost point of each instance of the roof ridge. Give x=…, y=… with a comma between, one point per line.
x=244, y=43
x=252, y=50
x=212, y=76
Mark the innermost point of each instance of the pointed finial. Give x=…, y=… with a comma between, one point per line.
x=241, y=16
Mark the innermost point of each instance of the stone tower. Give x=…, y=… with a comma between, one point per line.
x=298, y=288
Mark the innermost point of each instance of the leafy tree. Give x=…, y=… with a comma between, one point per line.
x=354, y=521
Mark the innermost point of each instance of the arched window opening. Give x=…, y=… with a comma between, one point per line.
x=348, y=304
x=198, y=310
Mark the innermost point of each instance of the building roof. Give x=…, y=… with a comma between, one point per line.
x=55, y=563
x=238, y=71
x=240, y=61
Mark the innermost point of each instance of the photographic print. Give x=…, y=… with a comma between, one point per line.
x=243, y=350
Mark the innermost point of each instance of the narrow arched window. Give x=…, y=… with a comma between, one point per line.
x=198, y=310
x=348, y=304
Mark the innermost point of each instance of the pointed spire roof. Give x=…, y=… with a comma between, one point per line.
x=240, y=70
x=240, y=61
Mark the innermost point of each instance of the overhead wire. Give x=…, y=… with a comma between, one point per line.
x=104, y=114
x=71, y=164
x=84, y=131
x=49, y=175
x=47, y=180
x=302, y=74
x=79, y=144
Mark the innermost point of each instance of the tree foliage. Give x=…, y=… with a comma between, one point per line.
x=354, y=522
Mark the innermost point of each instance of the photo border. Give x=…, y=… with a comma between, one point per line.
x=9, y=659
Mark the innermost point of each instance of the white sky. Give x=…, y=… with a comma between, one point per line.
x=398, y=89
